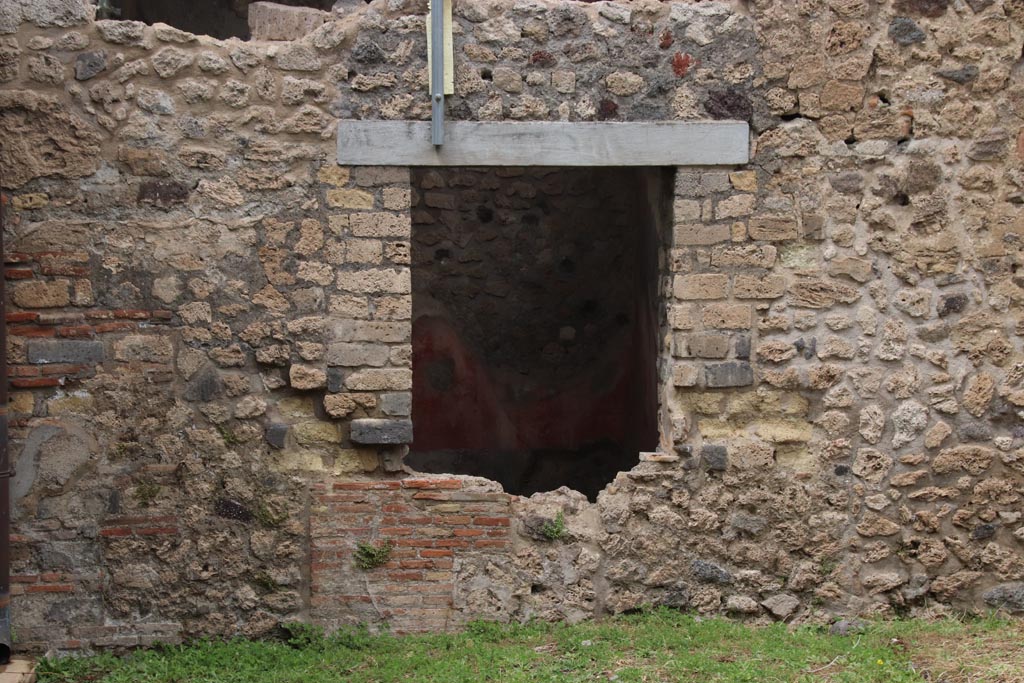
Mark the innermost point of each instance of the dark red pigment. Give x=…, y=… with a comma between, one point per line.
x=681, y=64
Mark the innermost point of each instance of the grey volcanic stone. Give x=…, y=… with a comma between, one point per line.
x=206, y=385
x=335, y=380
x=709, y=572
x=1008, y=596
x=743, y=347
x=232, y=509
x=751, y=524
x=952, y=303
x=965, y=74
x=925, y=8
x=781, y=605
x=89, y=64
x=276, y=434
x=983, y=531
x=379, y=431
x=845, y=627
x=729, y=103
x=849, y=182
x=396, y=403
x=905, y=31
x=715, y=457
x=70, y=351
x=732, y=374
x=989, y=146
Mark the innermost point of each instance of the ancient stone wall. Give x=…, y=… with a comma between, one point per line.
x=210, y=321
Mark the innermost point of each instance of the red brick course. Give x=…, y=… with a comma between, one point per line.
x=429, y=530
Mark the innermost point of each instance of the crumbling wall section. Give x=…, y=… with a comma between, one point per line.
x=209, y=321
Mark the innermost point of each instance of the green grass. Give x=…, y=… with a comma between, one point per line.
x=660, y=645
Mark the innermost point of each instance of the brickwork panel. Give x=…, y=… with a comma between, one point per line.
x=433, y=523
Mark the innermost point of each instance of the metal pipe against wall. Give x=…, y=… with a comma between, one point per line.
x=5, y=467
x=437, y=72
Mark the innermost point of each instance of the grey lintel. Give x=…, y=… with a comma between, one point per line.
x=544, y=143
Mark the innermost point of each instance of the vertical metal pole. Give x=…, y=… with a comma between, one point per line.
x=437, y=72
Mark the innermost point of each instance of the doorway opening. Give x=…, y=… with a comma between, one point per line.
x=216, y=18
x=535, y=322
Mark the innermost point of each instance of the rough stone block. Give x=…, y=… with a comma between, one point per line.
x=715, y=457
x=397, y=198
x=396, y=403
x=61, y=351
x=305, y=377
x=316, y=432
x=735, y=206
x=88, y=65
x=742, y=347
x=701, y=286
x=747, y=255
x=709, y=571
x=727, y=316
x=686, y=210
x=275, y=434
x=380, y=431
x=1008, y=596
x=681, y=317
x=709, y=345
x=773, y=228
x=41, y=294
x=744, y=181
x=335, y=380
x=205, y=385
x=376, y=280
x=685, y=374
x=370, y=331
x=905, y=31
x=146, y=348
x=356, y=354
x=349, y=199
x=380, y=224
x=751, y=287
x=297, y=57
x=380, y=379
x=731, y=374
x=700, y=234
x=121, y=32
x=271, y=21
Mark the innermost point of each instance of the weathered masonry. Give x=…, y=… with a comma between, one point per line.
x=791, y=387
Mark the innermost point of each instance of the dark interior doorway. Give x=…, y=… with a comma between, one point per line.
x=216, y=18
x=535, y=322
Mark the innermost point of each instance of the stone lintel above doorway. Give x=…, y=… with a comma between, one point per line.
x=545, y=143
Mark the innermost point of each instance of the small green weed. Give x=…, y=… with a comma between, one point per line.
x=265, y=582
x=368, y=556
x=554, y=529
x=228, y=436
x=146, y=492
x=270, y=516
x=304, y=636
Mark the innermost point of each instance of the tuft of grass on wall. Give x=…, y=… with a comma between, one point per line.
x=369, y=556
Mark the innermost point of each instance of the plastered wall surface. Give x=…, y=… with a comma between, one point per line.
x=210, y=321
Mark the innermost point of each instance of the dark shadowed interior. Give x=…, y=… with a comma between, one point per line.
x=216, y=18
x=535, y=323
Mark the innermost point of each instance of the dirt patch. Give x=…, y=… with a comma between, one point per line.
x=981, y=655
